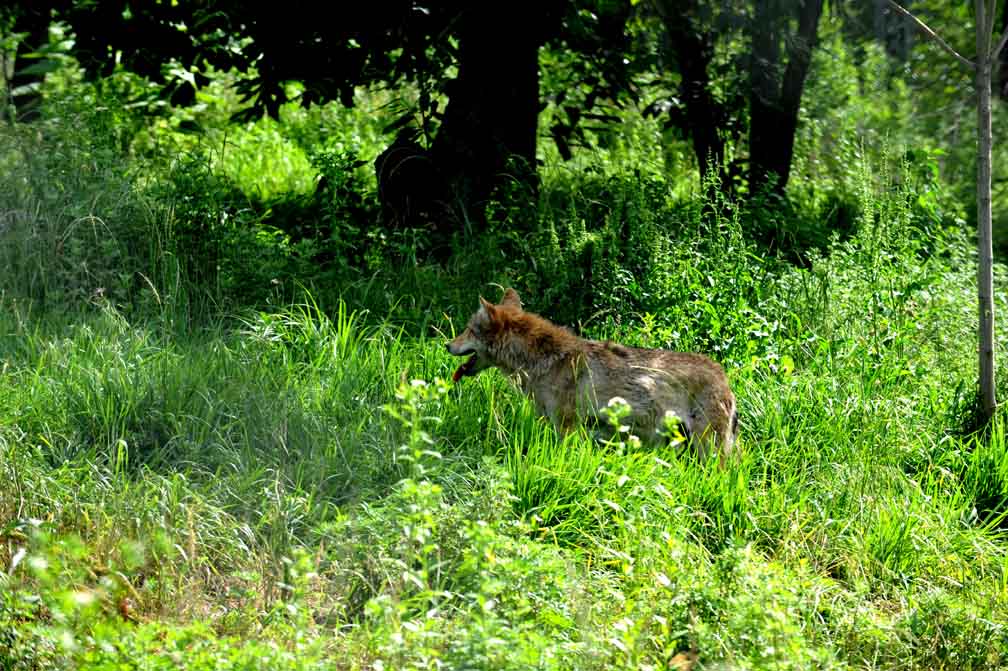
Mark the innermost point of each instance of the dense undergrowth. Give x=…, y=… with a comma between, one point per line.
x=226, y=442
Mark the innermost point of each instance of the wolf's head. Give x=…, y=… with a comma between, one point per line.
x=480, y=334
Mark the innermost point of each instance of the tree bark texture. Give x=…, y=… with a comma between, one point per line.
x=487, y=136
x=985, y=256
x=692, y=48
x=773, y=106
x=493, y=109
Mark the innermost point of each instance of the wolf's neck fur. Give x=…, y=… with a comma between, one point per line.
x=531, y=345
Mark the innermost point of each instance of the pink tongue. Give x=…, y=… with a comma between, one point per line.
x=459, y=372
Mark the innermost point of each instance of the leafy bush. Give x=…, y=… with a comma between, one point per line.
x=74, y=218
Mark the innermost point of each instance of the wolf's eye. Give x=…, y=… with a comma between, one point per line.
x=475, y=331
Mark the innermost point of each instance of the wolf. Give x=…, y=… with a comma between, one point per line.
x=571, y=379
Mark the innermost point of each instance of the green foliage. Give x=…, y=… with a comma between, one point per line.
x=984, y=472
x=74, y=222
x=346, y=234
x=210, y=466
x=455, y=582
x=617, y=250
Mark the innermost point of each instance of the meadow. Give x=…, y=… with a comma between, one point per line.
x=216, y=453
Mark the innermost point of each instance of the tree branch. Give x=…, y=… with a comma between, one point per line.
x=931, y=34
x=1000, y=45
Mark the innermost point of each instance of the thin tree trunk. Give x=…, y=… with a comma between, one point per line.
x=985, y=256
x=985, y=13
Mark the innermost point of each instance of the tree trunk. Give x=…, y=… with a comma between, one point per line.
x=488, y=135
x=765, y=129
x=692, y=49
x=773, y=108
x=985, y=256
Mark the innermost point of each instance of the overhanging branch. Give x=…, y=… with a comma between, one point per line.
x=934, y=36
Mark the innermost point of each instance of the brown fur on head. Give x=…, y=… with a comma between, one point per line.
x=507, y=337
x=480, y=333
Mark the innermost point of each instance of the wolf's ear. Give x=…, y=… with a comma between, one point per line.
x=487, y=307
x=511, y=298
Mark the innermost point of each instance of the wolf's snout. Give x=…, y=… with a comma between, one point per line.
x=460, y=350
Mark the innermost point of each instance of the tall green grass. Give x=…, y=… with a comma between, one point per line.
x=197, y=468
